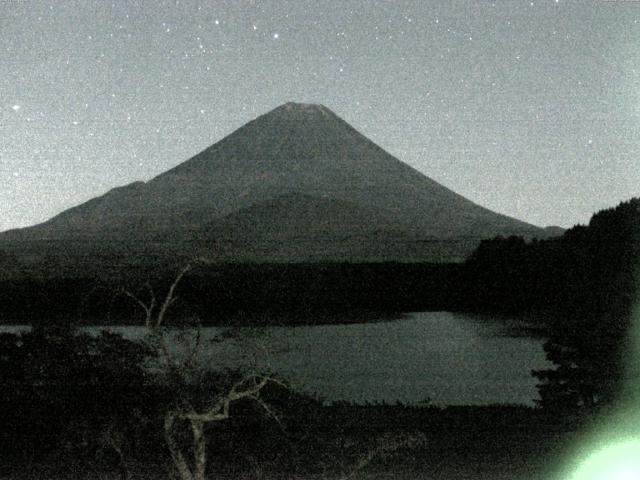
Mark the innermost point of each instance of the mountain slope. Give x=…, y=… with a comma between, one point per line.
x=300, y=228
x=299, y=149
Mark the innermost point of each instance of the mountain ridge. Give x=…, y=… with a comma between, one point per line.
x=295, y=148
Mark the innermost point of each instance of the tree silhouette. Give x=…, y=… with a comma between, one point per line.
x=588, y=279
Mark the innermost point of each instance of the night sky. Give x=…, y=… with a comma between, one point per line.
x=531, y=109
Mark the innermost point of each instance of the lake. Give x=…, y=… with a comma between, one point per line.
x=442, y=357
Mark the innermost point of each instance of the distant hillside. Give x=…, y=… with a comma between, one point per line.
x=301, y=228
x=296, y=184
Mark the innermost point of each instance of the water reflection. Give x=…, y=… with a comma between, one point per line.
x=448, y=358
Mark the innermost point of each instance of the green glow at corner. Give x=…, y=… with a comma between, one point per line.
x=614, y=444
x=617, y=462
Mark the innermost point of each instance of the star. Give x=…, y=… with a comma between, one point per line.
x=276, y=36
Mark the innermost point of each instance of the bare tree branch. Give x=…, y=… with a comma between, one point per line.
x=170, y=299
x=174, y=449
x=270, y=412
x=148, y=309
x=191, y=360
x=247, y=387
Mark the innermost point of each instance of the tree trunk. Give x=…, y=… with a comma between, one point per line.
x=176, y=453
x=199, y=450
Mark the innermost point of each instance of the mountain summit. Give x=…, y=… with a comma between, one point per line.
x=296, y=184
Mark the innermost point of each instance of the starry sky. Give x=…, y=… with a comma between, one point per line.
x=530, y=108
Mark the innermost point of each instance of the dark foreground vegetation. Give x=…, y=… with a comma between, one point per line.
x=80, y=406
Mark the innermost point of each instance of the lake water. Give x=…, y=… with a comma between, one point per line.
x=442, y=357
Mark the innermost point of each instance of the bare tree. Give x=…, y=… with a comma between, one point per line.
x=246, y=388
x=154, y=319
x=183, y=372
